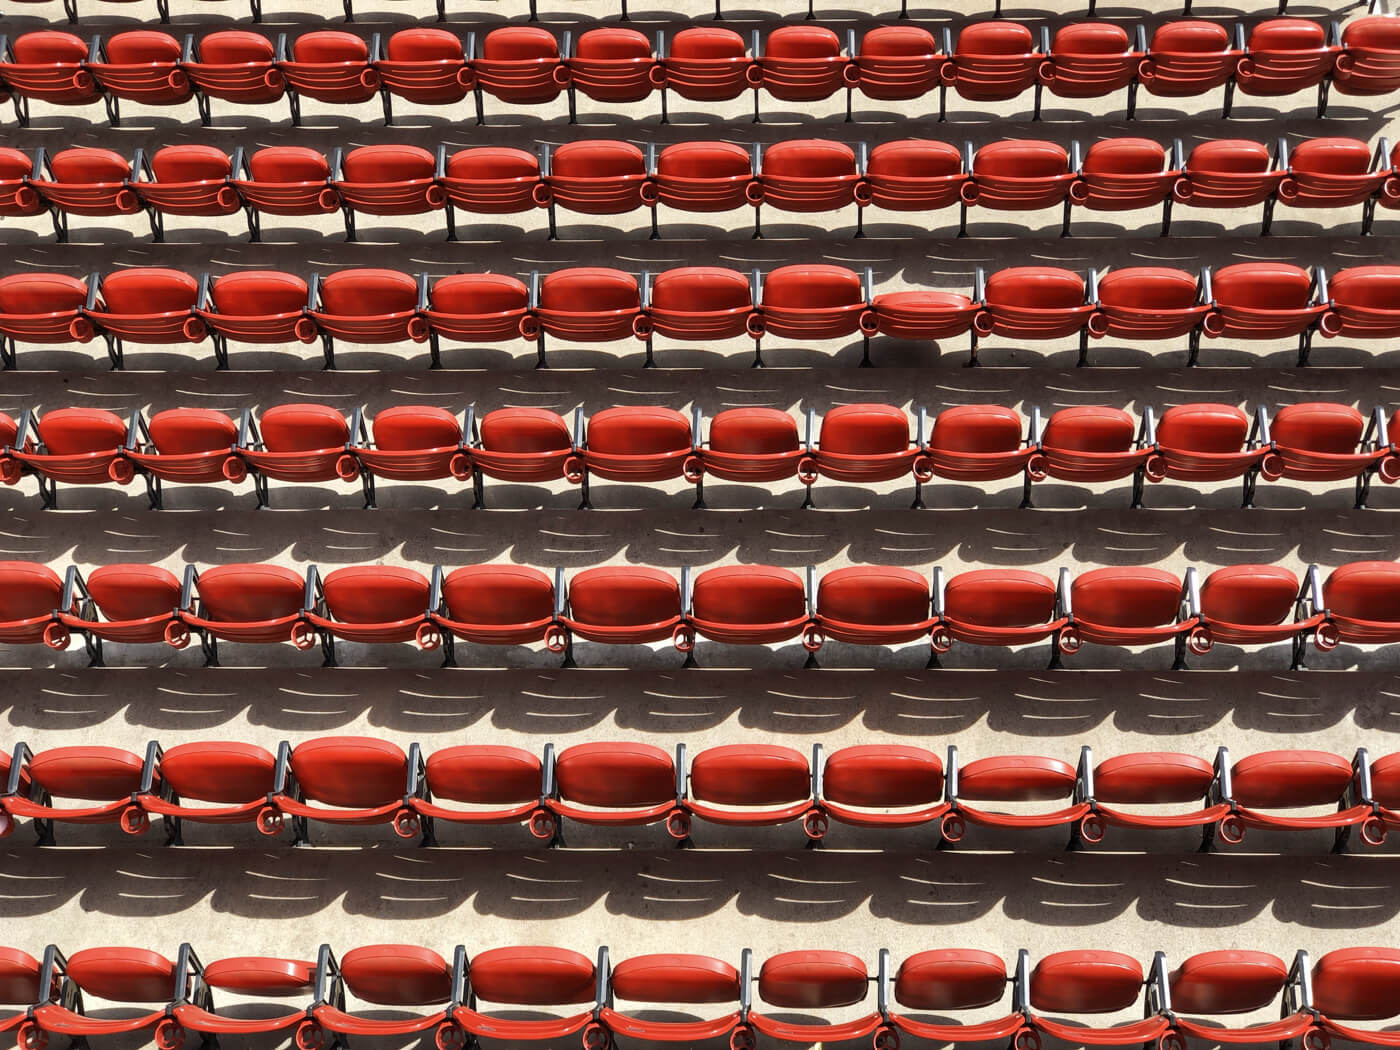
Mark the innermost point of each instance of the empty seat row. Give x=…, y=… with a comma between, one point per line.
x=360, y=781
x=863, y=605
x=673, y=997
x=808, y=303
x=526, y=65
x=610, y=177
x=303, y=443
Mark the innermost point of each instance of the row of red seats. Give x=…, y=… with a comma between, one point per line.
x=868, y=605
x=610, y=177
x=806, y=302
x=526, y=65
x=359, y=781
x=301, y=443
x=333, y=999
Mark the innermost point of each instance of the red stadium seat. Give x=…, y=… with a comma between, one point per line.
x=145, y=305
x=16, y=199
x=254, y=306
x=1021, y=175
x=996, y=607
x=630, y=443
x=394, y=975
x=1266, y=301
x=1190, y=58
x=492, y=180
x=284, y=180
x=746, y=785
x=993, y=62
x=1363, y=604
x=1338, y=173
x=83, y=180
x=257, y=604
x=234, y=65
x=1124, y=174
x=129, y=604
x=1034, y=302
x=898, y=63
x=414, y=443
x=351, y=780
x=865, y=443
x=1012, y=778
x=1369, y=62
x=706, y=64
x=528, y=977
x=930, y=316
x=809, y=175
x=76, y=446
x=876, y=786
x=387, y=180
x=477, y=308
x=229, y=780
x=1262, y=783
x=41, y=308
x=302, y=443
x=365, y=306
x=813, y=979
x=520, y=445
x=621, y=605
x=670, y=979
x=519, y=65
x=29, y=602
x=494, y=784
x=1287, y=55
x=915, y=175
x=1365, y=303
x=706, y=177
x=372, y=604
x=142, y=66
x=1318, y=441
x=753, y=444
x=424, y=65
x=1257, y=604
x=19, y=979
x=107, y=776
x=1233, y=173
x=596, y=177
x=1208, y=442
x=980, y=443
x=611, y=64
x=698, y=304
x=587, y=304
x=608, y=784
x=48, y=65
x=184, y=180
x=871, y=605
x=1090, y=444
x=1356, y=984
x=255, y=976
x=802, y=63
x=1231, y=982
x=495, y=605
x=1089, y=60
x=328, y=65
x=1150, y=778
x=947, y=979
x=1133, y=606
x=127, y=976
x=1148, y=302
x=1092, y=982
x=810, y=302
x=746, y=605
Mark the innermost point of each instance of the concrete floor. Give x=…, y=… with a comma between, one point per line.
x=231, y=892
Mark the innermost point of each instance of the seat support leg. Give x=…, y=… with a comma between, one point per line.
x=585, y=502
x=755, y=106
x=807, y=503
x=388, y=107
x=655, y=228
x=1167, y=215
x=540, y=361
x=699, y=503
x=1083, y=347
x=1251, y=481
x=367, y=487
x=328, y=351
x=573, y=105
x=757, y=222
x=757, y=354
x=665, y=116
x=478, y=491
x=434, y=351
x=1229, y=99
x=1193, y=344
x=1139, y=484
x=116, y=353
x=1132, y=100
x=220, y=352
x=1068, y=217
x=1179, y=663
x=1267, y=224
x=48, y=493
x=865, y=361
x=918, y=503
x=553, y=225
x=8, y=353
x=1368, y=216
x=1363, y=489
x=206, y=116
x=254, y=224
x=1324, y=88
x=480, y=111
x=1026, y=503
x=962, y=219
x=650, y=361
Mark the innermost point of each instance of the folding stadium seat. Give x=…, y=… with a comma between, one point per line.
x=254, y=306
x=29, y=601
x=915, y=175
x=1190, y=58
x=875, y=786
x=1034, y=302
x=283, y=180
x=387, y=180
x=1362, y=600
x=519, y=65
x=394, y=975
x=1124, y=174
x=744, y=605
x=414, y=443
x=980, y=443
x=257, y=976
x=596, y=177
x=611, y=64
x=352, y=780
x=424, y=65
x=1266, y=301
x=1011, y=778
x=83, y=180
x=49, y=65
x=698, y=304
x=477, y=308
x=1149, y=302
x=801, y=63
x=19, y=983
x=373, y=307
x=229, y=781
x=1233, y=173
x=1132, y=606
x=705, y=177
x=371, y=605
x=706, y=64
x=620, y=605
x=1337, y=173
x=1369, y=62
x=255, y=604
x=1318, y=441
x=870, y=605
x=1232, y=982
x=145, y=305
x=128, y=604
x=495, y=784
x=810, y=302
x=1089, y=60
x=16, y=199
x=804, y=980
x=1258, y=604
x=586, y=304
x=120, y=975
x=924, y=315
x=299, y=442
x=1148, y=778
x=328, y=65
x=1092, y=444
x=519, y=445
x=865, y=443
x=233, y=65
x=993, y=62
x=76, y=446
x=527, y=977
x=41, y=308
x=752, y=445
x=141, y=66
x=492, y=180
x=809, y=175
x=1259, y=785
x=1002, y=607
x=671, y=979
x=631, y=443
x=1092, y=982
x=947, y=979
x=183, y=180
x=1208, y=442
x=107, y=776
x=1287, y=55
x=1365, y=303
x=608, y=784
x=745, y=785
x=1021, y=175
x=493, y=605
x=1356, y=984
x=898, y=63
